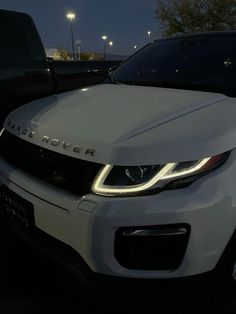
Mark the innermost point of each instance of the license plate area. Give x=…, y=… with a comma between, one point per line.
x=16, y=208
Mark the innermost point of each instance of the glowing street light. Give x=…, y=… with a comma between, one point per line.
x=149, y=34
x=135, y=47
x=110, y=43
x=71, y=16
x=104, y=38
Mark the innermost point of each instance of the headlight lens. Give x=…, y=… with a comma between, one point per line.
x=133, y=180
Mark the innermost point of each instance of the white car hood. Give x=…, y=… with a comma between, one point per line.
x=131, y=125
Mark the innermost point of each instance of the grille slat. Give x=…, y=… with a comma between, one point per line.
x=70, y=174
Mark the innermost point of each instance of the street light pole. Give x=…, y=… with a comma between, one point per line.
x=71, y=17
x=104, y=37
x=72, y=40
x=78, y=45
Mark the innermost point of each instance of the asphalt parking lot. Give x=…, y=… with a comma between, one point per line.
x=30, y=283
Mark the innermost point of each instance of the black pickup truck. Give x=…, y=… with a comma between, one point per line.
x=25, y=71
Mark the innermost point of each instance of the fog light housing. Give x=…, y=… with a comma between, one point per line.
x=152, y=248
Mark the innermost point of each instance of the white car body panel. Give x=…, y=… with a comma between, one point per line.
x=130, y=125
x=88, y=224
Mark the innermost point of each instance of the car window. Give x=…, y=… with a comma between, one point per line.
x=204, y=63
x=14, y=44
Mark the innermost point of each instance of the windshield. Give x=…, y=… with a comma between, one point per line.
x=205, y=63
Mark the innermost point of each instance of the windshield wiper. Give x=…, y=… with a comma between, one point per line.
x=155, y=83
x=174, y=85
x=177, y=85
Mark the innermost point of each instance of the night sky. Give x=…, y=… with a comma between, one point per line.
x=125, y=22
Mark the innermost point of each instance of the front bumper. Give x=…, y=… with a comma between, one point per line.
x=89, y=224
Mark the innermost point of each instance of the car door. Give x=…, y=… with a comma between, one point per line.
x=24, y=71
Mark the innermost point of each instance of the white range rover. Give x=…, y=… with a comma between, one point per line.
x=135, y=176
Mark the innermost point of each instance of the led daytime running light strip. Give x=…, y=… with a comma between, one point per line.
x=163, y=174
x=185, y=172
x=1, y=131
x=98, y=185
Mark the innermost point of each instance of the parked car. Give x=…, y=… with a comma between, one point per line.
x=25, y=72
x=136, y=176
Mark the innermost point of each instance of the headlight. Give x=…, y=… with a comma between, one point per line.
x=133, y=180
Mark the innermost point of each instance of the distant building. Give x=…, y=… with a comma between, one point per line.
x=85, y=55
x=89, y=55
x=100, y=56
x=52, y=53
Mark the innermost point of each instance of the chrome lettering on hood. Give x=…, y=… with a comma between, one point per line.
x=50, y=140
x=20, y=130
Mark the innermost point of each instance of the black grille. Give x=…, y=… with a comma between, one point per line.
x=68, y=173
